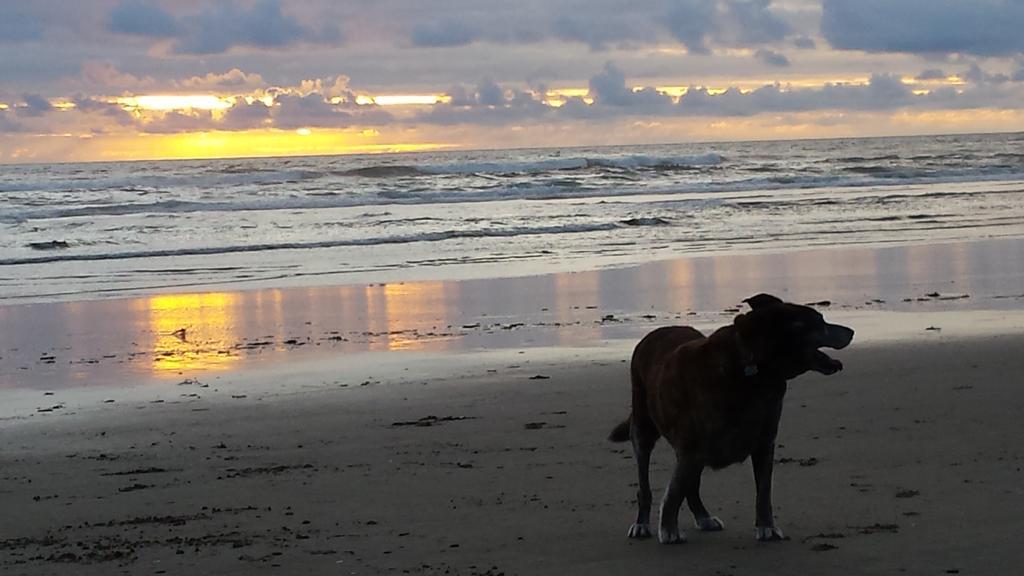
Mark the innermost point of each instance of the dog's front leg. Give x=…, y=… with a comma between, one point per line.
x=668, y=521
x=763, y=458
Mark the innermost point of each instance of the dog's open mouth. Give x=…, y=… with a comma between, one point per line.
x=821, y=362
x=836, y=337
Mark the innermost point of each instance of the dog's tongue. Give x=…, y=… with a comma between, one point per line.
x=824, y=363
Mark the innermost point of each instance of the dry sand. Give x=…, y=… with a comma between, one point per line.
x=910, y=461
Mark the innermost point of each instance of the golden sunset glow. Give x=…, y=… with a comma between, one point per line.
x=208, y=321
x=247, y=143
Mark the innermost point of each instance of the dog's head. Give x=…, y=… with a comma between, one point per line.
x=783, y=339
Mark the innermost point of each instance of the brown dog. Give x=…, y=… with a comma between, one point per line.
x=718, y=400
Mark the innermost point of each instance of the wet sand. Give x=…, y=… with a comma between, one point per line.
x=166, y=338
x=908, y=461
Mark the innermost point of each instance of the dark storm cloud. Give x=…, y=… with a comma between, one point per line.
x=219, y=26
x=981, y=27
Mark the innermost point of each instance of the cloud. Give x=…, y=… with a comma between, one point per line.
x=245, y=116
x=976, y=75
x=443, y=33
x=983, y=28
x=34, y=106
x=143, y=18
x=608, y=88
x=106, y=76
x=598, y=31
x=612, y=97
x=19, y=25
x=931, y=74
x=602, y=24
x=8, y=124
x=175, y=122
x=487, y=104
x=1018, y=74
x=753, y=22
x=234, y=78
x=219, y=26
x=691, y=22
x=488, y=93
x=772, y=58
x=108, y=110
x=226, y=24
x=292, y=111
x=726, y=22
x=805, y=43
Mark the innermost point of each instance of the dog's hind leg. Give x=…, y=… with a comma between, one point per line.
x=704, y=520
x=644, y=435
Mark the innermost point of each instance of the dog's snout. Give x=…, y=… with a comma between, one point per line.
x=838, y=336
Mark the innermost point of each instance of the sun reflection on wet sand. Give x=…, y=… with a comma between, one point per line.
x=193, y=332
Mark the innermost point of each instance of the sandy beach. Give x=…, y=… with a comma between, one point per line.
x=480, y=448
x=905, y=462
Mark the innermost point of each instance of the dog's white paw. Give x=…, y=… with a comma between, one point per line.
x=673, y=536
x=770, y=534
x=710, y=524
x=639, y=531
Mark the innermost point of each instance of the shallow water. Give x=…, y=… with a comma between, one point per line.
x=74, y=231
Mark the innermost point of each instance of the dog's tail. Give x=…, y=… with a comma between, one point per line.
x=620, y=433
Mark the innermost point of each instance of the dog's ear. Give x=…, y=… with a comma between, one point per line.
x=762, y=301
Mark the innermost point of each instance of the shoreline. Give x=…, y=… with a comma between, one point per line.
x=497, y=272
x=169, y=338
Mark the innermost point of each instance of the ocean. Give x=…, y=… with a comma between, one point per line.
x=102, y=230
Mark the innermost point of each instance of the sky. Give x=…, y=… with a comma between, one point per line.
x=143, y=79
